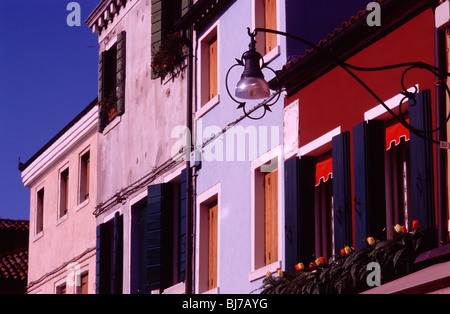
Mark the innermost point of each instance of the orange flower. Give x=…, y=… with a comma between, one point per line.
x=343, y=252
x=299, y=267
x=320, y=260
x=269, y=274
x=415, y=224
x=370, y=241
x=311, y=265
x=279, y=272
x=347, y=249
x=398, y=228
x=403, y=229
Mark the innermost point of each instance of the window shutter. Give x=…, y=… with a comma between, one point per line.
x=182, y=228
x=120, y=75
x=150, y=246
x=117, y=253
x=213, y=68
x=341, y=190
x=212, y=246
x=101, y=63
x=421, y=156
x=368, y=150
x=271, y=23
x=98, y=268
x=271, y=216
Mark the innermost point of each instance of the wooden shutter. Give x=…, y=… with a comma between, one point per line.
x=98, y=267
x=341, y=190
x=299, y=209
x=368, y=150
x=212, y=246
x=101, y=86
x=182, y=229
x=150, y=246
x=270, y=23
x=421, y=157
x=213, y=68
x=120, y=75
x=271, y=216
x=117, y=267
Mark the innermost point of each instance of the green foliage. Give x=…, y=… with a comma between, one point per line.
x=348, y=274
x=169, y=59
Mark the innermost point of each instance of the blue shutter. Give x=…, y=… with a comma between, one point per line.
x=182, y=229
x=98, y=260
x=341, y=190
x=117, y=266
x=421, y=157
x=299, y=179
x=120, y=74
x=150, y=246
x=368, y=156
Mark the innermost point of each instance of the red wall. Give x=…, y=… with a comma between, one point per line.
x=336, y=99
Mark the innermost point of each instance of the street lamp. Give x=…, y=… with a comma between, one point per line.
x=253, y=86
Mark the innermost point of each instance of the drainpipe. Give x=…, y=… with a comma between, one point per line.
x=441, y=135
x=189, y=178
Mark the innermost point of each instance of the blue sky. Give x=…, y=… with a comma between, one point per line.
x=48, y=74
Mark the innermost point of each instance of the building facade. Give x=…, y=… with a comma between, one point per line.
x=141, y=115
x=63, y=187
x=358, y=169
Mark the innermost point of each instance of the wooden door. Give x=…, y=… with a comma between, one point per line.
x=270, y=23
x=213, y=68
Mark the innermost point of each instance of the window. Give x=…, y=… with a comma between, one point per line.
x=61, y=289
x=111, y=85
x=110, y=256
x=266, y=17
x=63, y=192
x=209, y=68
x=265, y=214
x=85, y=168
x=397, y=176
x=84, y=281
x=323, y=207
x=208, y=239
x=39, y=211
x=158, y=237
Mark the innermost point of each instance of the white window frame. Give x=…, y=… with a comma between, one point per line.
x=213, y=31
x=58, y=216
x=39, y=234
x=81, y=204
x=275, y=52
x=255, y=271
x=202, y=200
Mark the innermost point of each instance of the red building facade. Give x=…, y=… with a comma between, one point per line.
x=358, y=170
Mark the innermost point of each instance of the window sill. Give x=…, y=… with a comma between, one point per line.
x=81, y=205
x=61, y=219
x=112, y=124
x=207, y=107
x=272, y=54
x=212, y=291
x=38, y=236
x=261, y=272
x=175, y=289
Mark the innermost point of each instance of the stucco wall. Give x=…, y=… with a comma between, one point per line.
x=142, y=138
x=63, y=239
x=234, y=176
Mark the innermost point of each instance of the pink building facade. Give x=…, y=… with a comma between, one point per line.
x=62, y=199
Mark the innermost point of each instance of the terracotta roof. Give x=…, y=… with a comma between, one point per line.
x=14, y=265
x=15, y=225
x=331, y=35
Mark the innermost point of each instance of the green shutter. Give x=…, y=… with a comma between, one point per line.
x=120, y=75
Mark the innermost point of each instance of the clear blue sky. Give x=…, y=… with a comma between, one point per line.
x=48, y=74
